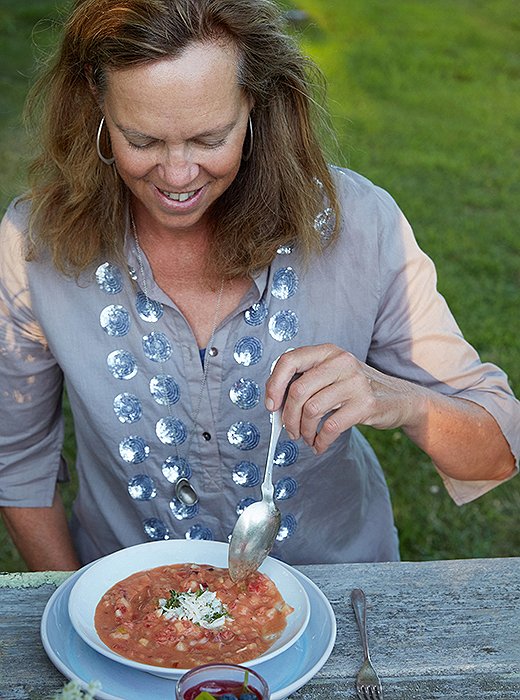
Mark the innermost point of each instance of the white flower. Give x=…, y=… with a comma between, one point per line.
x=73, y=691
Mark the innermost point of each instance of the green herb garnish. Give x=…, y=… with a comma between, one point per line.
x=173, y=601
x=245, y=686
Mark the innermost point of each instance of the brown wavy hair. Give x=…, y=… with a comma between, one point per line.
x=79, y=204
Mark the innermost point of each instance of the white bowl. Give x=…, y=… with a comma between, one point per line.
x=107, y=571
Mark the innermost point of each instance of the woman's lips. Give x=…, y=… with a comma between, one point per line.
x=183, y=200
x=179, y=196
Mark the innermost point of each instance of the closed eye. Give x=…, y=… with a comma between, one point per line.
x=141, y=146
x=212, y=144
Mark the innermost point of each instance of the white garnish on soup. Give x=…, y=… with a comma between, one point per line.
x=201, y=607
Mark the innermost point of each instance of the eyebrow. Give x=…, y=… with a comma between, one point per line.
x=204, y=134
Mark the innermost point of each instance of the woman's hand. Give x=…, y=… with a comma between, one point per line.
x=336, y=391
x=336, y=385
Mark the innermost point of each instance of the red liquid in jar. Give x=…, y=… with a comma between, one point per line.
x=218, y=688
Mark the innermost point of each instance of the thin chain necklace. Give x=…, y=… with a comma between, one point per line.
x=184, y=491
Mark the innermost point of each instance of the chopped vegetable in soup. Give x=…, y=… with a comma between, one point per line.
x=185, y=615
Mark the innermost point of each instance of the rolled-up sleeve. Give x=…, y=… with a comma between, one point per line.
x=416, y=338
x=31, y=383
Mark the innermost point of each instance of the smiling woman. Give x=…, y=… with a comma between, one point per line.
x=181, y=224
x=177, y=128
x=242, y=67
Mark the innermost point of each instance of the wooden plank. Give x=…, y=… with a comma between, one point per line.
x=25, y=670
x=437, y=630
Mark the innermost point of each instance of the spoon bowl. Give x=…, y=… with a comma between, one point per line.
x=256, y=529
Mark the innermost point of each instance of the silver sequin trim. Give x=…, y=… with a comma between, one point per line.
x=256, y=314
x=245, y=393
x=134, y=449
x=171, y=431
x=198, y=532
x=286, y=453
x=248, y=351
x=325, y=222
x=287, y=527
x=148, y=309
x=155, y=529
x=175, y=468
x=283, y=325
x=127, y=408
x=285, y=488
x=164, y=389
x=157, y=347
x=183, y=512
x=141, y=488
x=109, y=278
x=246, y=474
x=285, y=250
x=122, y=364
x=115, y=320
x=243, y=435
x=285, y=283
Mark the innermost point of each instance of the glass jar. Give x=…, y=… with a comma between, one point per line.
x=219, y=679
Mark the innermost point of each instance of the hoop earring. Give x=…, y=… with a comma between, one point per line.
x=247, y=156
x=102, y=158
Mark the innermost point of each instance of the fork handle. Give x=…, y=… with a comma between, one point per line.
x=359, y=604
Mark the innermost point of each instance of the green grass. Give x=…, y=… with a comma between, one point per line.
x=425, y=100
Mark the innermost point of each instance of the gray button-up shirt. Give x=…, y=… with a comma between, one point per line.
x=134, y=375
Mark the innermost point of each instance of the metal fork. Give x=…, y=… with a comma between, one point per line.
x=368, y=685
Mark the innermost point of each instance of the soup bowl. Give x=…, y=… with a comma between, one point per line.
x=104, y=573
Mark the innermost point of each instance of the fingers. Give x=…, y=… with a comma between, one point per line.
x=328, y=380
x=336, y=423
x=290, y=363
x=333, y=391
x=333, y=410
x=308, y=401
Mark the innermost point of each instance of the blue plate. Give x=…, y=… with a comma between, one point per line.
x=285, y=674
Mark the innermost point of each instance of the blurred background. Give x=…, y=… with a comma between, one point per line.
x=424, y=98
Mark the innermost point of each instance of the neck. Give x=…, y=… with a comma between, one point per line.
x=179, y=267
x=175, y=253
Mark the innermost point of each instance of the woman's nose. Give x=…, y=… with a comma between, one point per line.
x=179, y=170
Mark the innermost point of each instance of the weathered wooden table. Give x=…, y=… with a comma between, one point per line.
x=437, y=630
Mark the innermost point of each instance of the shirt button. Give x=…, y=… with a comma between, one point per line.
x=206, y=436
x=213, y=352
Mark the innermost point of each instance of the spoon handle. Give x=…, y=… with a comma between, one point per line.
x=276, y=429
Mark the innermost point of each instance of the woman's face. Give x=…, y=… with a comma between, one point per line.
x=177, y=127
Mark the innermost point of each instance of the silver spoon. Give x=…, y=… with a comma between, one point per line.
x=256, y=529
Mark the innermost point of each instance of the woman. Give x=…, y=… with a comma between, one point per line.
x=182, y=233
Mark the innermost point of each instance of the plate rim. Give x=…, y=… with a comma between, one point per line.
x=280, y=694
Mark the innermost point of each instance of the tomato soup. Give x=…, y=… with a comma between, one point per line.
x=185, y=615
